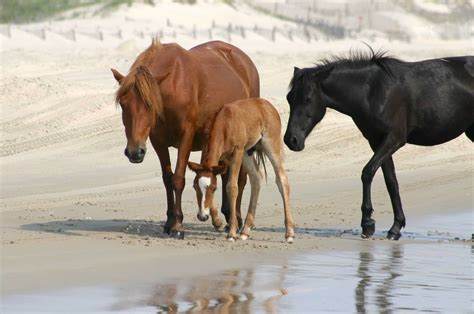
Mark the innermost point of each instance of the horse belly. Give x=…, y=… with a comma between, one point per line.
x=431, y=135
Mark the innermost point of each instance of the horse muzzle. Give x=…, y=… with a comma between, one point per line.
x=294, y=143
x=135, y=156
x=202, y=217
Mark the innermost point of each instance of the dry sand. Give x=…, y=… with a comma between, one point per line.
x=75, y=211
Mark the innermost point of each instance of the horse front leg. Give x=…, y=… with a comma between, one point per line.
x=391, y=182
x=232, y=192
x=184, y=150
x=387, y=147
x=225, y=207
x=167, y=175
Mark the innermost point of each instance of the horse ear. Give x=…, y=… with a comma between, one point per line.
x=118, y=76
x=216, y=170
x=322, y=75
x=195, y=166
x=296, y=70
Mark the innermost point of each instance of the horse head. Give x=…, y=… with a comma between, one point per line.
x=140, y=99
x=307, y=107
x=205, y=185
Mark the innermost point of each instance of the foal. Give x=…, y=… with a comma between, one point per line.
x=241, y=129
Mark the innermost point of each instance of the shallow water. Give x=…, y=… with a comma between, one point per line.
x=374, y=276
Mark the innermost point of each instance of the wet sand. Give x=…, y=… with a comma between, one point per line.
x=429, y=271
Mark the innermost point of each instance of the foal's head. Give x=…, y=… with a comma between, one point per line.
x=140, y=99
x=306, y=105
x=205, y=184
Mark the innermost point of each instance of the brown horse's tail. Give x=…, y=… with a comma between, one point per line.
x=260, y=161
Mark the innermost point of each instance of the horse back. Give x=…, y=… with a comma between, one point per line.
x=232, y=58
x=438, y=98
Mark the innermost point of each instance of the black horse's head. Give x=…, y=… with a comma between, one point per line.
x=307, y=107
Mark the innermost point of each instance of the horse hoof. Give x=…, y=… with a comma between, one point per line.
x=244, y=237
x=177, y=234
x=219, y=228
x=368, y=229
x=290, y=240
x=393, y=235
x=230, y=239
x=166, y=230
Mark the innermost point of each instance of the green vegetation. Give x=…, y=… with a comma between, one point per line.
x=24, y=11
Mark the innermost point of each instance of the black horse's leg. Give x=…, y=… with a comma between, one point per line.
x=167, y=175
x=388, y=169
x=387, y=147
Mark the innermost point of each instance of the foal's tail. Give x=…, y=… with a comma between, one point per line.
x=260, y=161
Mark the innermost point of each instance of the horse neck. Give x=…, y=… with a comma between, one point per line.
x=213, y=150
x=354, y=97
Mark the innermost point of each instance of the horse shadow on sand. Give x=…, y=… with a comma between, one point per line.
x=151, y=228
x=137, y=227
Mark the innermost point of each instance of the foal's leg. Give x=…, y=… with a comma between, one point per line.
x=241, y=182
x=251, y=168
x=275, y=154
x=387, y=147
x=167, y=175
x=388, y=169
x=232, y=192
x=225, y=208
x=216, y=221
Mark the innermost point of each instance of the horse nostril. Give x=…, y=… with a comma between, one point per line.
x=293, y=141
x=141, y=152
x=126, y=152
x=206, y=217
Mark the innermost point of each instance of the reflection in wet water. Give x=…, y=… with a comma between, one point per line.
x=232, y=291
x=380, y=278
x=374, y=277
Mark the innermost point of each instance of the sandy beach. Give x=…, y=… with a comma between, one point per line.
x=75, y=212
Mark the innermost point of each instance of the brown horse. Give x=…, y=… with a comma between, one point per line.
x=240, y=129
x=169, y=95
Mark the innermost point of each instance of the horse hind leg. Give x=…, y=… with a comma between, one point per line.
x=470, y=133
x=273, y=151
x=254, y=175
x=388, y=169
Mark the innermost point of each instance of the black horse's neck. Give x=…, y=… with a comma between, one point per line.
x=347, y=90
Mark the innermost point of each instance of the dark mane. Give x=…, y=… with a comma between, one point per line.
x=355, y=58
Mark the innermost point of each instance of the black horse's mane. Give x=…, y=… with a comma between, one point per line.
x=355, y=59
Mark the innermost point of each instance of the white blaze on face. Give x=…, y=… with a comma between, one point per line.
x=204, y=183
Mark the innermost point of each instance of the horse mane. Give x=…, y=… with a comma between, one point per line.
x=143, y=83
x=356, y=58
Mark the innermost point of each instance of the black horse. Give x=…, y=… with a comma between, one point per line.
x=392, y=103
